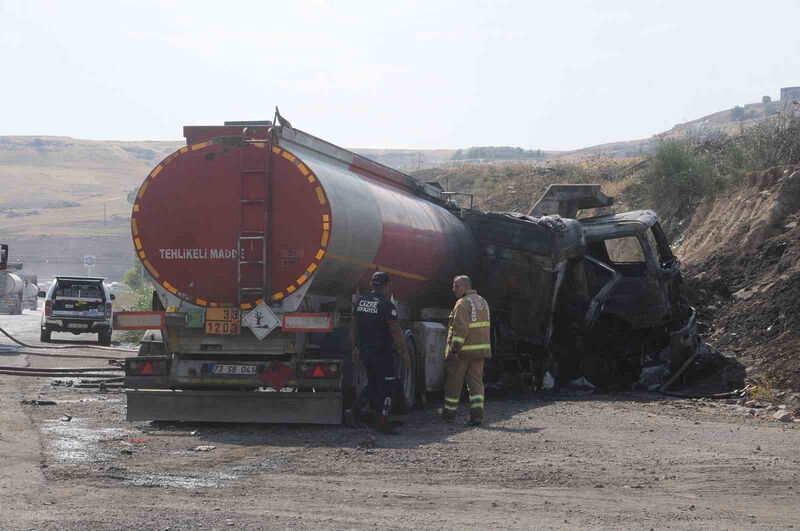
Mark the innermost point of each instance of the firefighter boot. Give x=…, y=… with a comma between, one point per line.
x=448, y=415
x=352, y=418
x=476, y=416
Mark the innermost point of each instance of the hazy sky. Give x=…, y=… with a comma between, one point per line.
x=553, y=74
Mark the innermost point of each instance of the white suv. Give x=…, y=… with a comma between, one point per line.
x=79, y=305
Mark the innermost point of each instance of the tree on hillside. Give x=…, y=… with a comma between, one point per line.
x=496, y=152
x=766, y=99
x=132, y=195
x=133, y=276
x=737, y=113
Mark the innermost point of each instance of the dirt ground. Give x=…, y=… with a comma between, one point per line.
x=555, y=461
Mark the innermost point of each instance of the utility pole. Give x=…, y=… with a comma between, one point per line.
x=105, y=215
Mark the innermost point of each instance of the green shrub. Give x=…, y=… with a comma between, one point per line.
x=133, y=277
x=678, y=178
x=139, y=299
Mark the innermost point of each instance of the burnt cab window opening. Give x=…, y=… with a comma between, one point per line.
x=625, y=254
x=625, y=250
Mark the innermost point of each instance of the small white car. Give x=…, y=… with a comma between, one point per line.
x=78, y=305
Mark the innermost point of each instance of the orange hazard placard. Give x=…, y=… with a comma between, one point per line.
x=223, y=321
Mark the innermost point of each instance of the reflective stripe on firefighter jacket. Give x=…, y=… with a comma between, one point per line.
x=469, y=327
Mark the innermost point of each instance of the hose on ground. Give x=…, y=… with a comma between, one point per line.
x=62, y=347
x=69, y=356
x=715, y=396
x=53, y=375
x=59, y=369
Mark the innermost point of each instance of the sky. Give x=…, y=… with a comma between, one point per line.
x=390, y=74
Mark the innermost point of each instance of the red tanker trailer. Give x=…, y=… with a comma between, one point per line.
x=249, y=219
x=258, y=237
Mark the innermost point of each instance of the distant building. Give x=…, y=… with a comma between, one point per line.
x=790, y=93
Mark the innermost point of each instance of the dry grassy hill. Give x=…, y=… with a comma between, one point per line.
x=728, y=121
x=63, y=198
x=58, y=186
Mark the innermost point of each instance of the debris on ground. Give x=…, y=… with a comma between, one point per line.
x=204, y=448
x=581, y=384
x=38, y=402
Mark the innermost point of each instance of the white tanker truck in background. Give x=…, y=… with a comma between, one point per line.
x=18, y=291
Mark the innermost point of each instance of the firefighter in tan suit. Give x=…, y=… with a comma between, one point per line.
x=468, y=345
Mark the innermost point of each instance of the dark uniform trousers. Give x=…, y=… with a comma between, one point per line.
x=379, y=366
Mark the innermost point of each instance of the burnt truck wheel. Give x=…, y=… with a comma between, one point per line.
x=599, y=369
x=406, y=395
x=44, y=336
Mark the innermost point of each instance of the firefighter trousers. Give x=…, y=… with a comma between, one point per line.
x=457, y=371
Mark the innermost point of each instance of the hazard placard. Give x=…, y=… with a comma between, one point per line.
x=261, y=320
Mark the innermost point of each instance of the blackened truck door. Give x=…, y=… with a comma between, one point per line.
x=638, y=298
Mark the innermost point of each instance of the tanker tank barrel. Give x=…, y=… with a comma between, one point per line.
x=10, y=284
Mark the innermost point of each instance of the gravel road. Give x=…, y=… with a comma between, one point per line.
x=563, y=462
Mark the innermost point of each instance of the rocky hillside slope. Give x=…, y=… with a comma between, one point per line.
x=742, y=263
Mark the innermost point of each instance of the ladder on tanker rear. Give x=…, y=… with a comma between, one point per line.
x=253, y=241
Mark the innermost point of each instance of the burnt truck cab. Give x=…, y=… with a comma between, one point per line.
x=634, y=245
x=644, y=314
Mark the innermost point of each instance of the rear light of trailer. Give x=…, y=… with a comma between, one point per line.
x=145, y=367
x=48, y=308
x=108, y=310
x=319, y=370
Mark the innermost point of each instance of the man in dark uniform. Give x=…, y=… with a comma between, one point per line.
x=375, y=331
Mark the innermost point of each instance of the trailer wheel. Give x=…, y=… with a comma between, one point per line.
x=406, y=395
x=104, y=338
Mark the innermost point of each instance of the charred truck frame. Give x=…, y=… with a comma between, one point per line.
x=257, y=238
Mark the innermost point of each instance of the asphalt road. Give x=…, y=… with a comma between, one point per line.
x=570, y=461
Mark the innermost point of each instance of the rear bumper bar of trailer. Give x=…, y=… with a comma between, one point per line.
x=234, y=406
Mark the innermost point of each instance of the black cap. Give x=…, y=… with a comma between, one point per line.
x=379, y=278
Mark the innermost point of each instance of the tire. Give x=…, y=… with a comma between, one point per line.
x=44, y=336
x=104, y=338
x=406, y=396
x=600, y=369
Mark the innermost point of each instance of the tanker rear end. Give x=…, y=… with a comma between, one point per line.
x=257, y=239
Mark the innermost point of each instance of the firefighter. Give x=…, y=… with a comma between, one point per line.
x=468, y=345
x=377, y=338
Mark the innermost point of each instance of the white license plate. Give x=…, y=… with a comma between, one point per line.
x=77, y=325
x=234, y=369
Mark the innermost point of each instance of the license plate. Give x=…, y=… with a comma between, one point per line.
x=233, y=369
x=77, y=325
